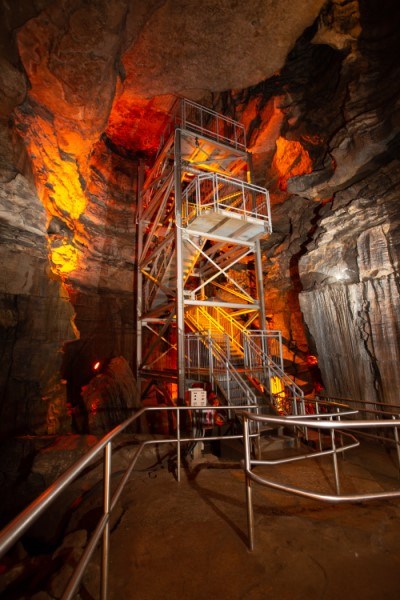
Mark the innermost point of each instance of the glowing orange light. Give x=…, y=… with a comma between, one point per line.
x=278, y=390
x=96, y=366
x=312, y=360
x=67, y=193
x=290, y=160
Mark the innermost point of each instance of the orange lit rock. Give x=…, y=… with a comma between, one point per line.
x=290, y=159
x=266, y=135
x=69, y=52
x=137, y=124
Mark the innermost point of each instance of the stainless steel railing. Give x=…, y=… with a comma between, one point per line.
x=261, y=343
x=14, y=530
x=212, y=192
x=259, y=363
x=206, y=122
x=204, y=354
x=329, y=422
x=211, y=124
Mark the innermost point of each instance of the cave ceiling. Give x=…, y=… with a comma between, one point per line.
x=113, y=66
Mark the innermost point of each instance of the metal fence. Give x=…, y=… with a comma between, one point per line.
x=332, y=423
x=261, y=343
x=191, y=116
x=204, y=355
x=216, y=193
x=209, y=123
x=13, y=532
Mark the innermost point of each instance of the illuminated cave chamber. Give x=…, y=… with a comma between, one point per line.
x=201, y=313
x=80, y=111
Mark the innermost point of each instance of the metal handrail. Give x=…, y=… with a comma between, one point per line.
x=218, y=319
x=269, y=343
x=18, y=526
x=209, y=123
x=192, y=116
x=221, y=370
x=322, y=422
x=238, y=333
x=268, y=368
x=215, y=192
x=348, y=401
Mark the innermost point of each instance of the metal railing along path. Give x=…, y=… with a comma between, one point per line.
x=324, y=422
x=18, y=526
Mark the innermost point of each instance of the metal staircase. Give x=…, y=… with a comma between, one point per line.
x=257, y=355
x=199, y=225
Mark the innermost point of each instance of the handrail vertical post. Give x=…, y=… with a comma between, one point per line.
x=341, y=434
x=335, y=460
x=106, y=532
x=247, y=467
x=319, y=430
x=178, y=439
x=396, y=437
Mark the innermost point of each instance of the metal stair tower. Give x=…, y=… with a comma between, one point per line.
x=200, y=220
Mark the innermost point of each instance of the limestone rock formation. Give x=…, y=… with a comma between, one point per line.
x=335, y=242
x=35, y=318
x=85, y=88
x=351, y=295
x=110, y=397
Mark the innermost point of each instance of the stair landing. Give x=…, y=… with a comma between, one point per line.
x=227, y=224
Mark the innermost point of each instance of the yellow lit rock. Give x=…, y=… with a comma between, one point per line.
x=64, y=258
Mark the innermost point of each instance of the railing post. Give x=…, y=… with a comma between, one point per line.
x=319, y=430
x=341, y=435
x=106, y=532
x=396, y=437
x=280, y=350
x=228, y=381
x=335, y=461
x=178, y=449
x=247, y=468
x=210, y=359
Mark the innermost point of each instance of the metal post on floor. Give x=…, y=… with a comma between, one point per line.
x=247, y=467
x=178, y=439
x=396, y=438
x=106, y=532
x=335, y=460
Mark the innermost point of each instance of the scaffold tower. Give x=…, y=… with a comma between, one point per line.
x=200, y=299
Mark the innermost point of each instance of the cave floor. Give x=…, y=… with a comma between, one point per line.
x=188, y=540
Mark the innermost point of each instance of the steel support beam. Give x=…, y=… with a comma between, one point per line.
x=180, y=316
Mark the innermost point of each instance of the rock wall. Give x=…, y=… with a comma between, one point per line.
x=331, y=265
x=35, y=318
x=85, y=87
x=67, y=210
x=351, y=290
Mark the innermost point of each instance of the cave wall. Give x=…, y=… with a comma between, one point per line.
x=331, y=264
x=67, y=210
x=85, y=91
x=349, y=274
x=351, y=290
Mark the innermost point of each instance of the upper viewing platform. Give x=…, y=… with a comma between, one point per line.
x=190, y=116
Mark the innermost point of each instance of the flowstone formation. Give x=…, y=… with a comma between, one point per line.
x=86, y=88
